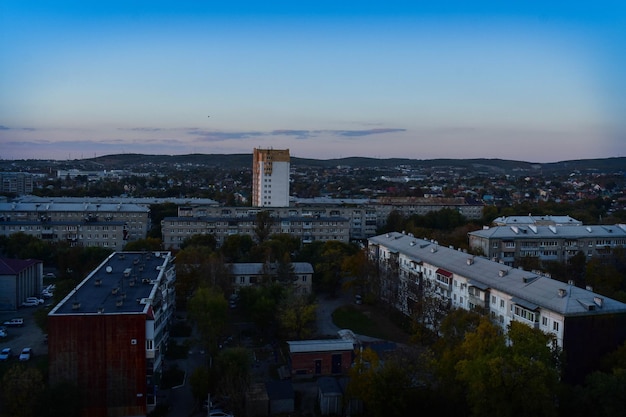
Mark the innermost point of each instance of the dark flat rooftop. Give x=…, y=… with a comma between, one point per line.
x=118, y=285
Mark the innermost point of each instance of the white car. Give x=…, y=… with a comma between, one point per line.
x=30, y=303
x=35, y=299
x=5, y=354
x=26, y=354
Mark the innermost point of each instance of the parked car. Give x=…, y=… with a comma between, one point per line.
x=5, y=354
x=26, y=354
x=49, y=275
x=35, y=299
x=219, y=413
x=16, y=322
x=3, y=333
x=30, y=303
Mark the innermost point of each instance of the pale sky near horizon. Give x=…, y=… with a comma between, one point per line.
x=520, y=80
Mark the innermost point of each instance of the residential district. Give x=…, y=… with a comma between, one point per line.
x=132, y=289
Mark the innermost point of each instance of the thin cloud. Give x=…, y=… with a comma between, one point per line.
x=367, y=132
x=28, y=129
x=205, y=136
x=142, y=129
x=299, y=134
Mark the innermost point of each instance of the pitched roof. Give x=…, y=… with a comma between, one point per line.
x=528, y=288
x=10, y=266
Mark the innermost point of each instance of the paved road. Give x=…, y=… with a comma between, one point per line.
x=29, y=335
x=326, y=304
x=181, y=399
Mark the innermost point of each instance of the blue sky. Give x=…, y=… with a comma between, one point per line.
x=518, y=80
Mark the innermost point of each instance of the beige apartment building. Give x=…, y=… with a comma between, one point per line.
x=270, y=178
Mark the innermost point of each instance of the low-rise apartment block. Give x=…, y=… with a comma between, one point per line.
x=243, y=221
x=586, y=325
x=509, y=244
x=105, y=224
x=248, y=274
x=318, y=219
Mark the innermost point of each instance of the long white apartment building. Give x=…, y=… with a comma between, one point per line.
x=587, y=325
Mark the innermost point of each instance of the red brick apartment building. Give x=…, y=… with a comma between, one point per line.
x=107, y=335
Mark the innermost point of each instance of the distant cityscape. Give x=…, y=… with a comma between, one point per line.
x=125, y=309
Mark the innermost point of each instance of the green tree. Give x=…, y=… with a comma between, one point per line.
x=63, y=399
x=395, y=222
x=263, y=225
x=361, y=382
x=285, y=272
x=209, y=310
x=332, y=256
x=191, y=267
x=203, y=240
x=261, y=303
x=157, y=213
x=296, y=315
x=200, y=382
x=604, y=393
x=603, y=277
x=519, y=379
x=236, y=248
x=390, y=387
x=147, y=244
x=233, y=365
x=363, y=276
x=275, y=248
x=20, y=385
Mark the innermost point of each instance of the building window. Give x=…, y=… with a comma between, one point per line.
x=523, y=313
x=544, y=321
x=493, y=299
x=501, y=303
x=555, y=326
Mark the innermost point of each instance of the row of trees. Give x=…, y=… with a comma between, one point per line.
x=470, y=368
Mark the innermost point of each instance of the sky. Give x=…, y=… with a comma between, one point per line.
x=524, y=80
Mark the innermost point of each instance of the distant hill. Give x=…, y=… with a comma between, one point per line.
x=234, y=161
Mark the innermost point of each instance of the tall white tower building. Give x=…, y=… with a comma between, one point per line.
x=270, y=178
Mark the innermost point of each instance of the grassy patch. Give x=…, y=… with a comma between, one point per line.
x=348, y=317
